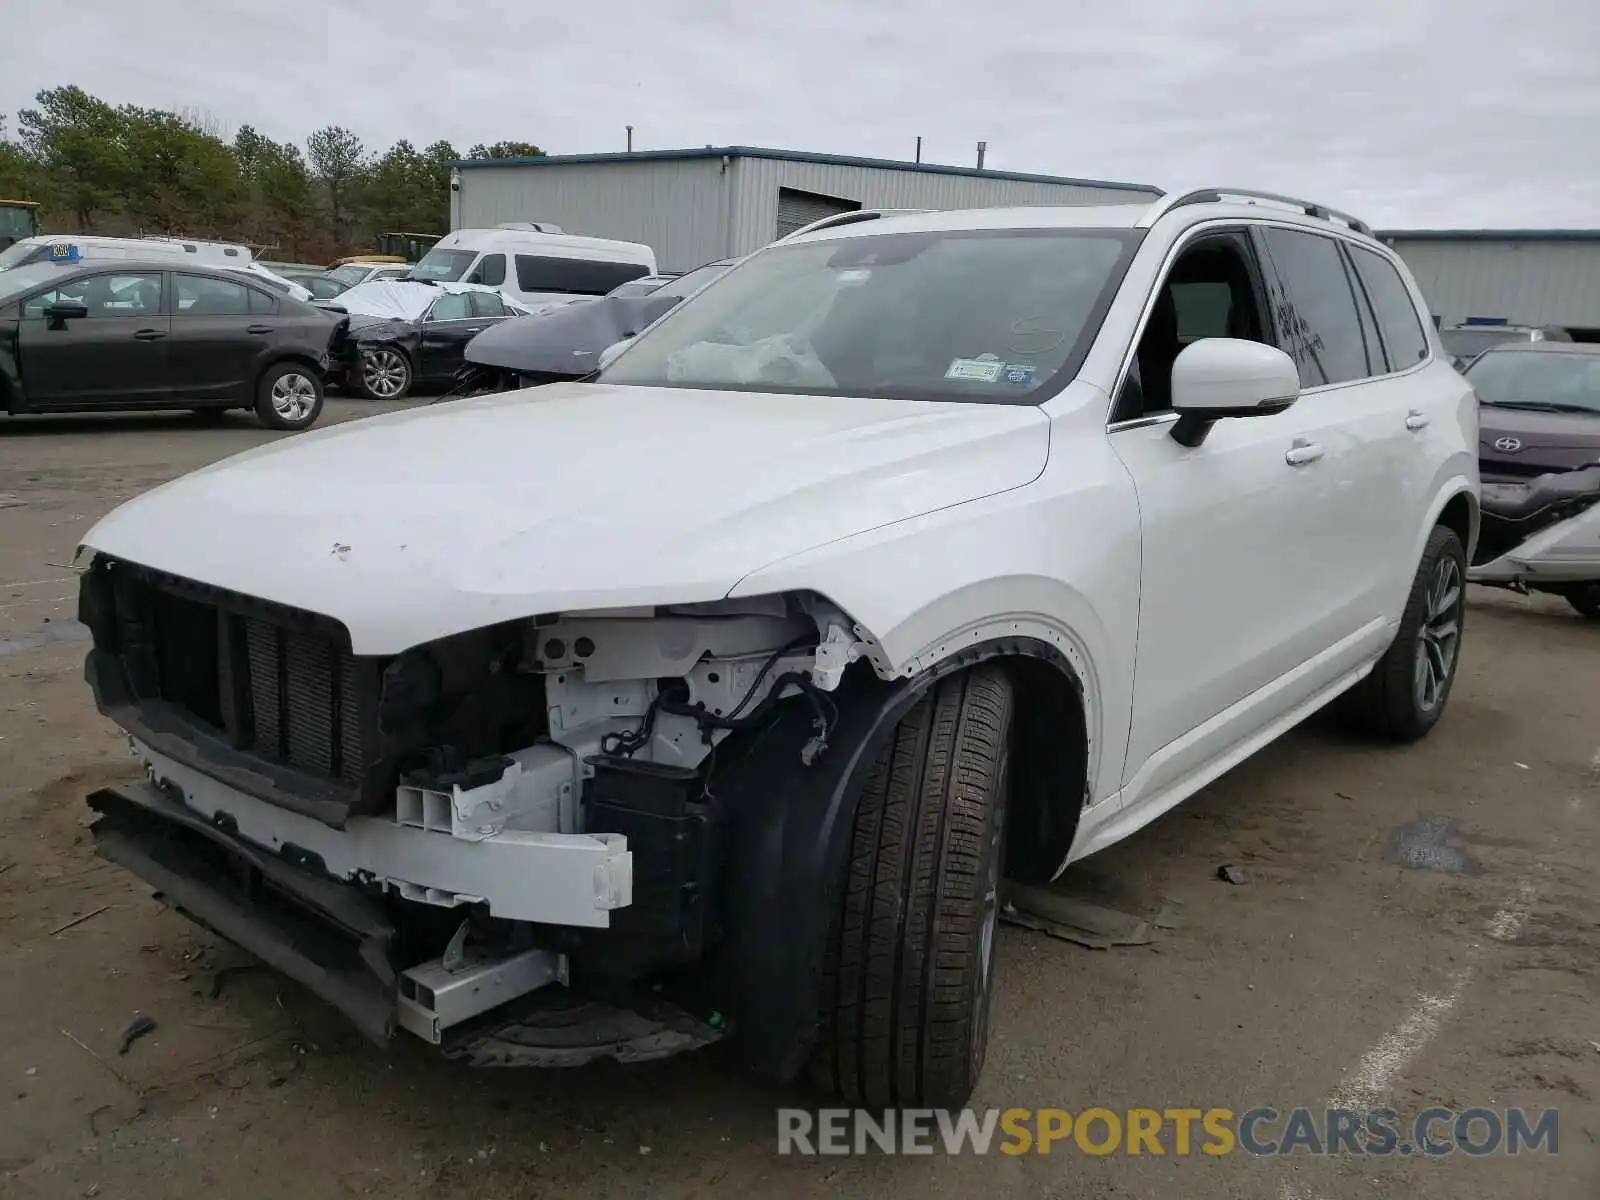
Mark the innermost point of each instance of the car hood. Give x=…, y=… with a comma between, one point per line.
x=565, y=340
x=1544, y=441
x=419, y=524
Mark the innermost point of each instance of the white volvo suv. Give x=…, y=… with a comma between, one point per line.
x=717, y=694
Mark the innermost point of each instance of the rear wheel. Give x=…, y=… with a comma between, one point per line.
x=289, y=396
x=910, y=965
x=1586, y=600
x=384, y=374
x=1405, y=695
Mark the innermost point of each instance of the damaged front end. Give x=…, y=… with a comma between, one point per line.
x=513, y=843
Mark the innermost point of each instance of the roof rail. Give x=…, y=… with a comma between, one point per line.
x=1174, y=200
x=850, y=218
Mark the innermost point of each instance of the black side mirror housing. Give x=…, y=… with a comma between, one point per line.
x=62, y=311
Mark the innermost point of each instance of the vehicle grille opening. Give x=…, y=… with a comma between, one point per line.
x=303, y=700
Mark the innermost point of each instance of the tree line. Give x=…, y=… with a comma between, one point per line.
x=95, y=167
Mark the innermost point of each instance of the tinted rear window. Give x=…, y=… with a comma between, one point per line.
x=573, y=276
x=1398, y=321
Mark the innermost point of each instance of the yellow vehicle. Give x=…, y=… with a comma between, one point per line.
x=19, y=219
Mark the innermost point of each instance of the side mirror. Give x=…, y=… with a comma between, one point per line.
x=1217, y=378
x=62, y=311
x=609, y=354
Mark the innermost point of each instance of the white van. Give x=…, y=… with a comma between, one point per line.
x=93, y=248
x=534, y=263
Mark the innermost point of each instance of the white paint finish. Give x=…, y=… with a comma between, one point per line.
x=1527, y=282
x=1568, y=551
x=571, y=496
x=563, y=879
x=1207, y=598
x=1058, y=560
x=1229, y=374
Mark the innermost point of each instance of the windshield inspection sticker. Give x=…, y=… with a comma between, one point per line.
x=980, y=370
x=1018, y=375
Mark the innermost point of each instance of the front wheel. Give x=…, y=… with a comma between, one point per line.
x=1404, y=696
x=1586, y=600
x=289, y=396
x=910, y=964
x=384, y=374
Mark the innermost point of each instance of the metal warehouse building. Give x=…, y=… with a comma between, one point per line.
x=1516, y=276
x=693, y=206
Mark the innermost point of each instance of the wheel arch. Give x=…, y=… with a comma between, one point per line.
x=789, y=830
x=278, y=358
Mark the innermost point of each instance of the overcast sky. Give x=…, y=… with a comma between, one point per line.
x=1411, y=114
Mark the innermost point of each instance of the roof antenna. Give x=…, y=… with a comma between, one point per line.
x=919, y=147
x=630, y=139
x=983, y=148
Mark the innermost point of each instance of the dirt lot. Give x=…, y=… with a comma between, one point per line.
x=1331, y=973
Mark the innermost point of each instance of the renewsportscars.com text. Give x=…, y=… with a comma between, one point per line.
x=1263, y=1131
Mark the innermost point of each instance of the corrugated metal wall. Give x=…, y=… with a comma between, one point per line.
x=757, y=181
x=1526, y=282
x=679, y=208
x=694, y=210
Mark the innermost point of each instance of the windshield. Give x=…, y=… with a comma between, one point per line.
x=444, y=266
x=977, y=315
x=1535, y=379
x=1469, y=343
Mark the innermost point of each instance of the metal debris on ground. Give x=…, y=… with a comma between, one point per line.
x=80, y=920
x=1232, y=873
x=137, y=1028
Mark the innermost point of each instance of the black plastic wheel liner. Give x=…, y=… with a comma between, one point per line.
x=788, y=841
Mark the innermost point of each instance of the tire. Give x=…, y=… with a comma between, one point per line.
x=1397, y=701
x=289, y=396
x=1586, y=600
x=910, y=963
x=384, y=374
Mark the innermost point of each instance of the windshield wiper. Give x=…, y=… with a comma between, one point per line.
x=1552, y=406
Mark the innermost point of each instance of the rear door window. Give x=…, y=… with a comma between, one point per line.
x=203, y=296
x=487, y=304
x=573, y=276
x=1402, y=329
x=1313, y=306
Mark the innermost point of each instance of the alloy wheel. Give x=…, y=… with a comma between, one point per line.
x=293, y=396
x=1439, y=640
x=385, y=373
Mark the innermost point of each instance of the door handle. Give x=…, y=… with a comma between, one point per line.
x=1416, y=420
x=150, y=335
x=1303, y=452
x=475, y=329
x=258, y=329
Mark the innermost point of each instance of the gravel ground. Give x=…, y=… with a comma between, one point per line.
x=1333, y=972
